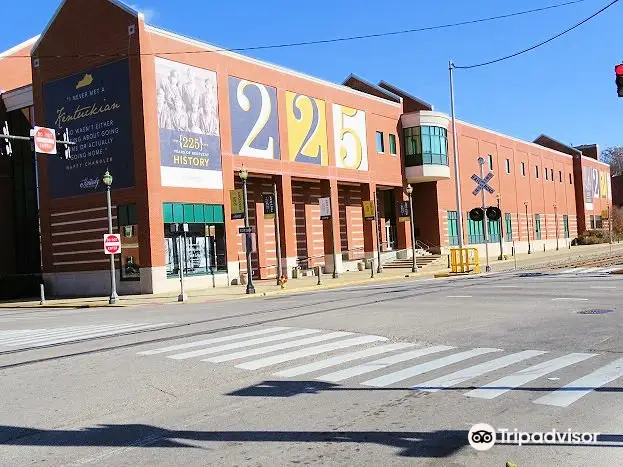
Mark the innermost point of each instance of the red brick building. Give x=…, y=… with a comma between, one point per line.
x=175, y=120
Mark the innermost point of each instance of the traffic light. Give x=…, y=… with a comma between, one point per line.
x=619, y=79
x=494, y=213
x=5, y=143
x=476, y=214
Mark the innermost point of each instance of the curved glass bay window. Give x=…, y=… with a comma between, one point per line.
x=201, y=249
x=426, y=145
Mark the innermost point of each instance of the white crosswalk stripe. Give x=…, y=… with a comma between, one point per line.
x=570, y=393
x=588, y=270
x=502, y=385
x=397, y=376
x=293, y=350
x=473, y=371
x=30, y=338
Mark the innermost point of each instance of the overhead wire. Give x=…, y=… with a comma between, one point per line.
x=320, y=41
x=535, y=46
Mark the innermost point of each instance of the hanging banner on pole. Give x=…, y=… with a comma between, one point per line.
x=368, y=210
x=237, y=203
x=325, y=208
x=269, y=205
x=405, y=211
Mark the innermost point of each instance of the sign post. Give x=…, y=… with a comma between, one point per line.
x=483, y=184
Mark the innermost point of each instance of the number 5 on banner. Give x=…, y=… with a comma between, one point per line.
x=350, y=137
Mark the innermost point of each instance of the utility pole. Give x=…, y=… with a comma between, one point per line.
x=455, y=146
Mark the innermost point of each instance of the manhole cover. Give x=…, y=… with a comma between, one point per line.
x=597, y=311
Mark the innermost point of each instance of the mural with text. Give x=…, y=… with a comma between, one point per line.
x=596, y=185
x=307, y=129
x=349, y=128
x=254, y=119
x=94, y=106
x=188, y=122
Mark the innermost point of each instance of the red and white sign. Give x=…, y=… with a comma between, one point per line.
x=45, y=140
x=112, y=244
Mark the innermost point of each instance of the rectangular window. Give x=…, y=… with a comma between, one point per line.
x=509, y=227
x=570, y=182
x=392, y=144
x=598, y=222
x=565, y=224
x=551, y=174
x=546, y=174
x=507, y=163
x=490, y=162
x=537, y=226
x=453, y=228
x=380, y=145
x=493, y=229
x=560, y=175
x=475, y=231
x=523, y=169
x=592, y=222
x=128, y=228
x=536, y=171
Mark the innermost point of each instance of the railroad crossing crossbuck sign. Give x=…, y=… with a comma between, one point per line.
x=483, y=183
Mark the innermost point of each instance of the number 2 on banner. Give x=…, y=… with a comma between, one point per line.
x=265, y=111
x=307, y=129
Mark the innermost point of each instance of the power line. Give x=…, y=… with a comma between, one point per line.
x=540, y=43
x=321, y=41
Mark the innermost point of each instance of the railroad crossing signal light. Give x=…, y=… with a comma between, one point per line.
x=5, y=143
x=619, y=79
x=494, y=213
x=476, y=214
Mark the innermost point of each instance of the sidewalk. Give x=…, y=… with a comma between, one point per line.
x=269, y=287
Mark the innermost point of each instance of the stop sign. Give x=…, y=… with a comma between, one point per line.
x=112, y=244
x=45, y=140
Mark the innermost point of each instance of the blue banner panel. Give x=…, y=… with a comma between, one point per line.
x=95, y=107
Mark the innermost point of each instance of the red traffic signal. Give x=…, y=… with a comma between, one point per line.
x=619, y=79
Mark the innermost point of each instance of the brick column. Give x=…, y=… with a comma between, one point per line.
x=369, y=227
x=231, y=226
x=403, y=229
x=286, y=224
x=332, y=250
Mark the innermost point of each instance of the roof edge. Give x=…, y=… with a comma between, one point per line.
x=17, y=47
x=390, y=95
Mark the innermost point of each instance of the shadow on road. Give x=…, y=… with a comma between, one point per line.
x=435, y=444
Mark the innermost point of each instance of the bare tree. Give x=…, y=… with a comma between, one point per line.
x=614, y=157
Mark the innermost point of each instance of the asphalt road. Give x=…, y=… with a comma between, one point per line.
x=386, y=374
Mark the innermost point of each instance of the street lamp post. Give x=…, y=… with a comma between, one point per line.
x=498, y=197
x=244, y=174
x=556, y=221
x=411, y=221
x=525, y=203
x=107, y=179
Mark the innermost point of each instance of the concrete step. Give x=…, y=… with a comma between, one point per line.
x=422, y=261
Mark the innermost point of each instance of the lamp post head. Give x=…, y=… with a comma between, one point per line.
x=409, y=189
x=481, y=160
x=107, y=178
x=525, y=203
x=243, y=174
x=498, y=197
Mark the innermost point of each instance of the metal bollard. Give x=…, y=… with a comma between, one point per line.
x=318, y=273
x=42, y=294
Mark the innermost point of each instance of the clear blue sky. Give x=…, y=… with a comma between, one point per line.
x=565, y=89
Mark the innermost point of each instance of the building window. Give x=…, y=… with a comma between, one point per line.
x=523, y=169
x=380, y=145
x=453, y=228
x=536, y=171
x=475, y=231
x=493, y=229
x=570, y=182
x=599, y=222
x=508, y=226
x=546, y=174
x=537, y=226
x=507, y=164
x=560, y=175
x=426, y=145
x=490, y=162
x=551, y=174
x=200, y=249
x=392, y=144
x=128, y=228
x=565, y=225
